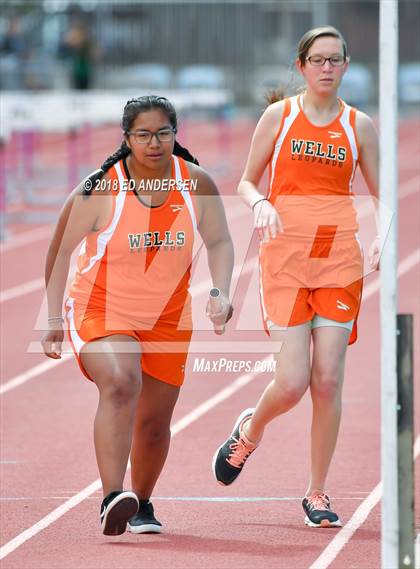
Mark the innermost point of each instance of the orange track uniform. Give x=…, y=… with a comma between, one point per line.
x=133, y=277
x=315, y=266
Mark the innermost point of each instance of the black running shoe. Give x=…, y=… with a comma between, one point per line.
x=144, y=521
x=117, y=508
x=318, y=511
x=231, y=456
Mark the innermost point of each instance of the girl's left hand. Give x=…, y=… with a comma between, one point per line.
x=374, y=253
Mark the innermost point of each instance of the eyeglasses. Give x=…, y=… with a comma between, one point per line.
x=319, y=60
x=145, y=136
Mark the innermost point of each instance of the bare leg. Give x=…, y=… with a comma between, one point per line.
x=152, y=434
x=290, y=382
x=117, y=375
x=330, y=344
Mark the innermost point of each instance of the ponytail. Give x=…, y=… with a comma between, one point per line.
x=184, y=153
x=274, y=95
x=122, y=152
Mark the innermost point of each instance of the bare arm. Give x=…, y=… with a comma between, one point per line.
x=260, y=152
x=369, y=152
x=214, y=230
x=266, y=219
x=369, y=166
x=77, y=218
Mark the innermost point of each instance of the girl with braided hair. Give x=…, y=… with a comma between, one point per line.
x=129, y=308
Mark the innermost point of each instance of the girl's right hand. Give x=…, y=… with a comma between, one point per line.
x=52, y=340
x=267, y=221
x=224, y=314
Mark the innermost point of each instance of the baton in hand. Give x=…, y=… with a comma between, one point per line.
x=216, y=306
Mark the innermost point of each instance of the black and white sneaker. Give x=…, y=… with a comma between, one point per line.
x=116, y=509
x=318, y=511
x=144, y=521
x=231, y=456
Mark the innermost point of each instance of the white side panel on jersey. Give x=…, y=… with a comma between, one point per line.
x=264, y=311
x=288, y=121
x=348, y=129
x=105, y=236
x=185, y=193
x=78, y=343
x=82, y=249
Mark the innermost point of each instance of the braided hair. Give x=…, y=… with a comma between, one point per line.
x=132, y=109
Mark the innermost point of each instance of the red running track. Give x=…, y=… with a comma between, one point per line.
x=48, y=458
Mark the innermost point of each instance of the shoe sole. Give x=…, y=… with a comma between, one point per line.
x=323, y=524
x=249, y=411
x=119, y=511
x=145, y=528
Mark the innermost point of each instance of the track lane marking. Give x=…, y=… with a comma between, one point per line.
x=335, y=546
x=24, y=288
x=358, y=518
x=179, y=426
x=26, y=237
x=32, y=372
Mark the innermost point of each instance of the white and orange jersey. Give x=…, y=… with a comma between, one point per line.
x=311, y=170
x=313, y=160
x=315, y=265
x=138, y=266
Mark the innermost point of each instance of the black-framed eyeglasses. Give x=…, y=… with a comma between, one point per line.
x=145, y=136
x=319, y=60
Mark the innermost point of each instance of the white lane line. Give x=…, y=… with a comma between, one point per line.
x=362, y=512
x=32, y=372
x=31, y=286
x=20, y=290
x=202, y=409
x=404, y=267
x=179, y=426
x=409, y=187
x=15, y=241
x=179, y=498
x=345, y=534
